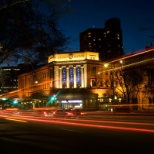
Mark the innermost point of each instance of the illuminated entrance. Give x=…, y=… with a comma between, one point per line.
x=78, y=98
x=77, y=104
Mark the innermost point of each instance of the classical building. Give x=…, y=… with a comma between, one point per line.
x=71, y=78
x=107, y=41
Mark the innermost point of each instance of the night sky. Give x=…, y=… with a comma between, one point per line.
x=136, y=16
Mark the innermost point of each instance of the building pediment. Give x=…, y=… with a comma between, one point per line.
x=74, y=56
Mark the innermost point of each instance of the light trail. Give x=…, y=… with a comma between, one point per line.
x=99, y=126
x=125, y=66
x=133, y=55
x=115, y=122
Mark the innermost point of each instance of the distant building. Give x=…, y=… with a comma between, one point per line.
x=107, y=41
x=92, y=40
x=8, y=78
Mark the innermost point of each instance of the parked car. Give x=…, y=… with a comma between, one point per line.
x=43, y=113
x=63, y=113
x=68, y=113
x=78, y=112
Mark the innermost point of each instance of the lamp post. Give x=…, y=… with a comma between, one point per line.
x=106, y=65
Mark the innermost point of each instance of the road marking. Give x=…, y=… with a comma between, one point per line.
x=70, y=130
x=15, y=120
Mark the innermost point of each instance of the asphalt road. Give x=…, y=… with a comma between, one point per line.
x=39, y=136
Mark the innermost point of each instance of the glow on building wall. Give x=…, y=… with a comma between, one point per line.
x=73, y=56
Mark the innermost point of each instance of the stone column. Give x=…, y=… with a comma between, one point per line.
x=56, y=76
x=85, y=75
x=60, y=77
x=82, y=77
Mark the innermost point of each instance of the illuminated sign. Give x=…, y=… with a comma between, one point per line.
x=71, y=101
x=74, y=56
x=64, y=76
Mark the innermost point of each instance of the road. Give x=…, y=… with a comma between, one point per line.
x=85, y=135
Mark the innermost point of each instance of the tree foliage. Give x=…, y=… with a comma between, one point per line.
x=29, y=29
x=130, y=81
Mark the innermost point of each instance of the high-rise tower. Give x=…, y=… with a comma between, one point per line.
x=107, y=41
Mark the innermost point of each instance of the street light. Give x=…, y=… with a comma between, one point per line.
x=36, y=81
x=121, y=61
x=15, y=102
x=106, y=65
x=54, y=97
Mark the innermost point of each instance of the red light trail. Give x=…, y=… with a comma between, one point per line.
x=75, y=122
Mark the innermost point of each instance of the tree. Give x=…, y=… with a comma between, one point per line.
x=29, y=29
x=129, y=81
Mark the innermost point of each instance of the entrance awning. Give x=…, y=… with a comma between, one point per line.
x=67, y=94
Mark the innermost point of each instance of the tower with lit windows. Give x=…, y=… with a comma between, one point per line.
x=107, y=41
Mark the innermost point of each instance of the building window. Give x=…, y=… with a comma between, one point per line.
x=78, y=76
x=107, y=83
x=64, y=77
x=93, y=71
x=71, y=76
x=93, y=82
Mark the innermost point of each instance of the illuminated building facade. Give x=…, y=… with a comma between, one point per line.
x=81, y=80
x=34, y=86
x=71, y=69
x=71, y=77
x=107, y=41
x=132, y=78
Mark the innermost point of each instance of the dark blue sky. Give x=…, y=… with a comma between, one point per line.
x=136, y=16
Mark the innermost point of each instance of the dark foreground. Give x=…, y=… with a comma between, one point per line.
x=33, y=137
